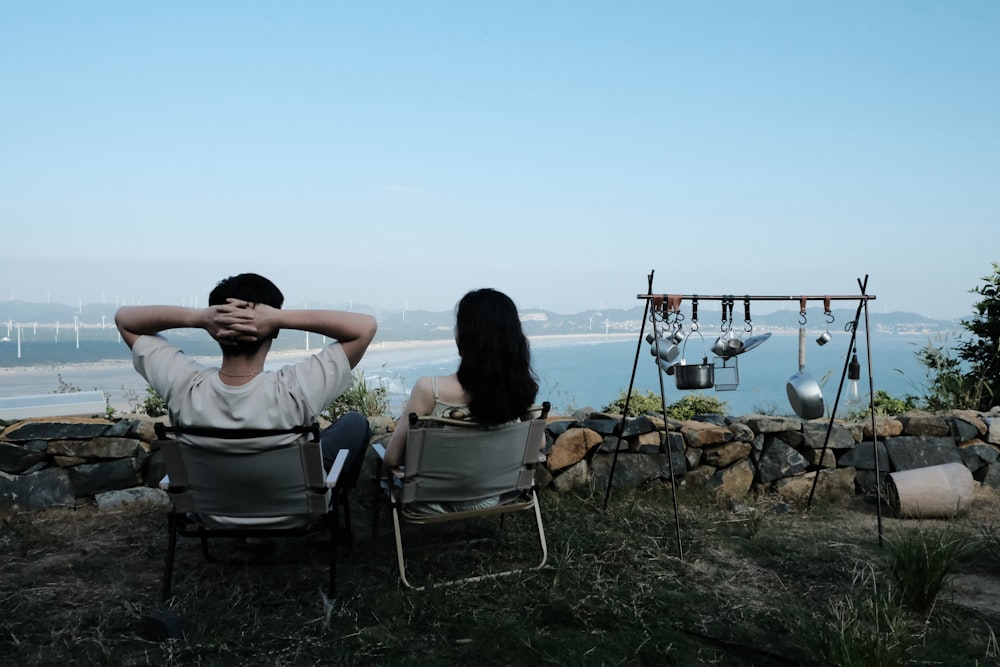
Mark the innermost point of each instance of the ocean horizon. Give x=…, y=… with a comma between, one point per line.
x=574, y=371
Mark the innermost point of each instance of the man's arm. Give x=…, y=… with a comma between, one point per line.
x=240, y=321
x=230, y=321
x=354, y=331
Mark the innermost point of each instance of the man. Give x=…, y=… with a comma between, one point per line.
x=244, y=315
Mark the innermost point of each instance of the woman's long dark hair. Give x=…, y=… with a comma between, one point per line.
x=495, y=368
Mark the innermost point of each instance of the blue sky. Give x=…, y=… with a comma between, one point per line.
x=402, y=153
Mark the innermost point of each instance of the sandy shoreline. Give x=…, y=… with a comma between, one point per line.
x=376, y=349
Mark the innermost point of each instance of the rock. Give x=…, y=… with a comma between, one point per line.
x=139, y=495
x=49, y=487
x=15, y=459
x=70, y=428
x=574, y=477
x=988, y=475
x=977, y=454
x=634, y=470
x=697, y=478
x=701, y=434
x=611, y=442
x=917, y=451
x=93, y=478
x=963, y=431
x=969, y=418
x=862, y=457
x=924, y=423
x=559, y=426
x=779, y=460
x=887, y=427
x=833, y=485
x=734, y=481
x=993, y=430
x=819, y=458
x=865, y=481
x=814, y=436
x=769, y=424
x=720, y=456
x=710, y=418
x=602, y=425
x=572, y=446
x=741, y=432
x=97, y=448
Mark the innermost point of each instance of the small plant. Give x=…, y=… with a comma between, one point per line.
x=884, y=405
x=859, y=630
x=919, y=562
x=685, y=408
x=369, y=401
x=153, y=405
x=109, y=410
x=639, y=403
x=65, y=387
x=696, y=404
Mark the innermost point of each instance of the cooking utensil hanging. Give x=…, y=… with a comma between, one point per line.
x=803, y=391
x=694, y=376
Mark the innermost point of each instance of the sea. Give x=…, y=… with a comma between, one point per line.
x=574, y=371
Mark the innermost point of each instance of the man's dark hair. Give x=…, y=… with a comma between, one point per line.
x=248, y=287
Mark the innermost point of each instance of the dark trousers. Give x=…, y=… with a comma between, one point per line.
x=351, y=432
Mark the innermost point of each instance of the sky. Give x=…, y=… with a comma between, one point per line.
x=401, y=153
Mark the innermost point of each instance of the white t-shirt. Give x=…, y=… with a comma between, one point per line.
x=294, y=395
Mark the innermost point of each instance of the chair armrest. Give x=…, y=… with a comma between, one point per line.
x=165, y=482
x=379, y=449
x=336, y=469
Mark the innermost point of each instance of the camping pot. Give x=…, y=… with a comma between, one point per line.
x=694, y=376
x=803, y=391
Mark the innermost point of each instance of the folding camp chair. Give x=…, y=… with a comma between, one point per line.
x=459, y=462
x=239, y=483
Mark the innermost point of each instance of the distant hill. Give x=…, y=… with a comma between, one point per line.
x=429, y=325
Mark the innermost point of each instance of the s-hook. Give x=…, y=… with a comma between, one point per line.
x=802, y=311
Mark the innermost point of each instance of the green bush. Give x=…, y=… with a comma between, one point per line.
x=685, y=408
x=153, y=405
x=369, y=401
x=967, y=374
x=884, y=405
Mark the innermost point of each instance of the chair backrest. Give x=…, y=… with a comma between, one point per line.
x=469, y=463
x=254, y=477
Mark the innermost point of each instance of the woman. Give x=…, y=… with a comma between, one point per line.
x=494, y=383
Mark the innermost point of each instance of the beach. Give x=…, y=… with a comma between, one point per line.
x=574, y=371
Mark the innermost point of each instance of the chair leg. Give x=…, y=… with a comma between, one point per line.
x=541, y=533
x=400, y=561
x=205, y=550
x=334, y=547
x=348, y=530
x=168, y=567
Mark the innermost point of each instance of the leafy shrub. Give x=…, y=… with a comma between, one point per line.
x=369, y=401
x=153, y=405
x=885, y=404
x=640, y=403
x=685, y=408
x=969, y=378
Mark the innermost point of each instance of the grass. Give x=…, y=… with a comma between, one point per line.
x=795, y=588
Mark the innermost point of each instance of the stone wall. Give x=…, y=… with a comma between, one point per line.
x=64, y=462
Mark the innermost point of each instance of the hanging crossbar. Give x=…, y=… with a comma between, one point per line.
x=751, y=297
